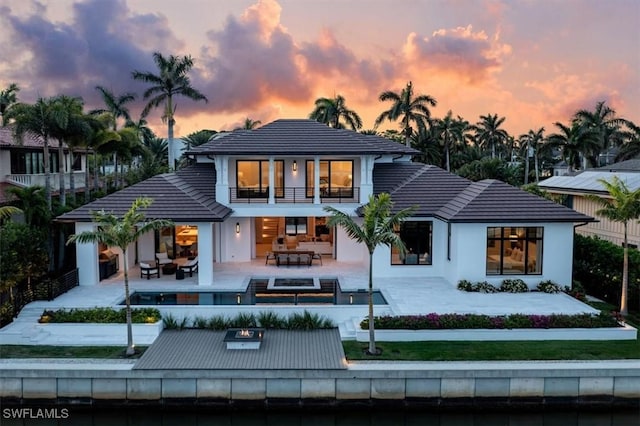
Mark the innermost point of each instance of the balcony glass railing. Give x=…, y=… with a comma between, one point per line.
x=293, y=195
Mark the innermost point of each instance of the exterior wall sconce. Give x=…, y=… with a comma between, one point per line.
x=294, y=167
x=237, y=227
x=238, y=299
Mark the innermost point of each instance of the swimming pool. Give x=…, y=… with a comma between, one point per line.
x=260, y=291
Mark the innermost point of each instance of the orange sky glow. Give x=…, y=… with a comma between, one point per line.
x=534, y=62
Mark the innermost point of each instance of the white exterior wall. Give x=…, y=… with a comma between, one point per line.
x=236, y=247
x=348, y=250
x=469, y=252
x=87, y=257
x=146, y=247
x=205, y=253
x=382, y=266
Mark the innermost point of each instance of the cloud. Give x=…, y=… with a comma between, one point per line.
x=469, y=56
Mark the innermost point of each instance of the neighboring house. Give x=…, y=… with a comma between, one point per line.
x=253, y=192
x=21, y=163
x=575, y=188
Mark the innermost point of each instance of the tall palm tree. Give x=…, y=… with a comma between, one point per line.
x=102, y=140
x=121, y=233
x=378, y=228
x=8, y=98
x=40, y=119
x=575, y=142
x=622, y=206
x=203, y=136
x=115, y=107
x=249, y=124
x=603, y=121
x=450, y=132
x=142, y=129
x=531, y=142
x=172, y=80
x=488, y=132
x=408, y=109
x=332, y=111
x=72, y=130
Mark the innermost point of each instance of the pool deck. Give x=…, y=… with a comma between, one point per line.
x=404, y=296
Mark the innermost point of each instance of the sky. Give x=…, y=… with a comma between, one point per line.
x=534, y=62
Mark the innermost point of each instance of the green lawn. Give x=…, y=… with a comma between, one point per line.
x=34, y=351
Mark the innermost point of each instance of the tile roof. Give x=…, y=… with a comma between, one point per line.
x=300, y=137
x=187, y=195
x=29, y=140
x=437, y=193
x=492, y=200
x=632, y=165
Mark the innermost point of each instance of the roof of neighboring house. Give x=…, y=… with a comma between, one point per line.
x=632, y=165
x=6, y=198
x=299, y=137
x=187, y=195
x=588, y=181
x=437, y=193
x=29, y=140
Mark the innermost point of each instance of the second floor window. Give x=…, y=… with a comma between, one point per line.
x=32, y=162
x=252, y=178
x=336, y=178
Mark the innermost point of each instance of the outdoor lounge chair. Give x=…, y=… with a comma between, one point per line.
x=190, y=267
x=148, y=271
x=163, y=258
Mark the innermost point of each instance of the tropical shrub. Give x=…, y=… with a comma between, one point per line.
x=100, y=316
x=484, y=287
x=597, y=265
x=514, y=286
x=548, y=286
x=435, y=321
x=465, y=285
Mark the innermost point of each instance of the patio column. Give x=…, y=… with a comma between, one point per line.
x=272, y=180
x=205, y=253
x=316, y=180
x=87, y=257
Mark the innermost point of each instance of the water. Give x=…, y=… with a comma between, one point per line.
x=355, y=416
x=261, y=291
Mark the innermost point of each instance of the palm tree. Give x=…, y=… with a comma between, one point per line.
x=378, y=227
x=172, y=80
x=116, y=108
x=73, y=129
x=8, y=98
x=488, y=132
x=203, y=136
x=121, y=233
x=331, y=111
x=40, y=119
x=631, y=147
x=102, y=140
x=450, y=132
x=408, y=109
x=249, y=124
x=575, y=142
x=622, y=206
x=532, y=141
x=33, y=204
x=605, y=124
x=7, y=211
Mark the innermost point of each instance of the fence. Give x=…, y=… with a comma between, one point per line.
x=15, y=298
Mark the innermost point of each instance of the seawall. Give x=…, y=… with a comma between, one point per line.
x=506, y=384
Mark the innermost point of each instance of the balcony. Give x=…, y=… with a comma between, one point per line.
x=26, y=180
x=294, y=195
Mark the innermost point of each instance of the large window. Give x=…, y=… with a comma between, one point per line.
x=417, y=238
x=336, y=178
x=32, y=162
x=253, y=178
x=514, y=251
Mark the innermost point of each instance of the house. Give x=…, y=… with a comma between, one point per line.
x=249, y=193
x=21, y=163
x=576, y=188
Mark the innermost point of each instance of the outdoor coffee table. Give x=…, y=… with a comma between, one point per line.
x=169, y=268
